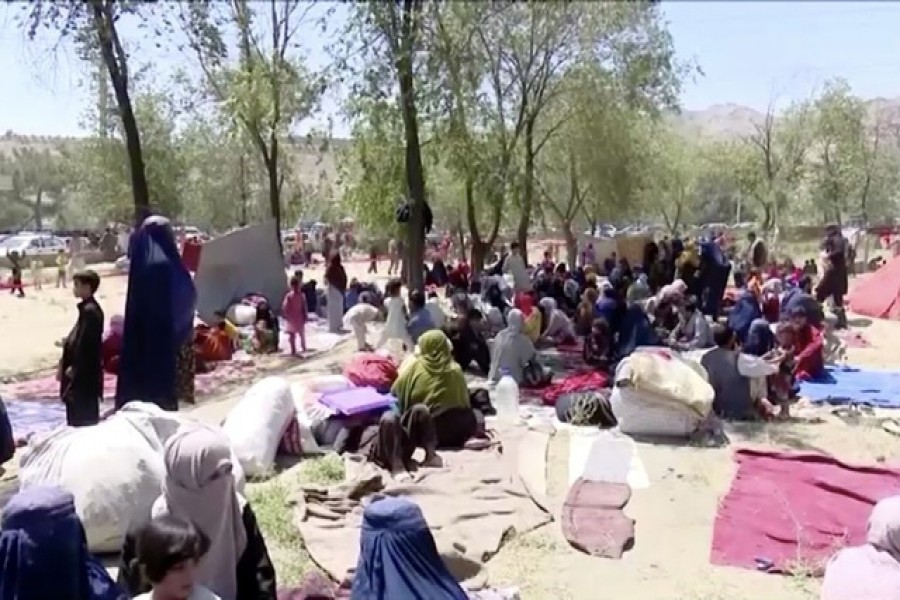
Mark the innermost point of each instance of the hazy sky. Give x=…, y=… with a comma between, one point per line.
x=750, y=52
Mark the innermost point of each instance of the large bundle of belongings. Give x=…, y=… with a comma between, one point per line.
x=114, y=469
x=658, y=392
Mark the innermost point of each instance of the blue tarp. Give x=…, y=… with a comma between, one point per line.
x=849, y=385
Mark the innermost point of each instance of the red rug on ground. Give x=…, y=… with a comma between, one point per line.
x=786, y=510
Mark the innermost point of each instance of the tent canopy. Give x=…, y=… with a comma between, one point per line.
x=878, y=294
x=239, y=263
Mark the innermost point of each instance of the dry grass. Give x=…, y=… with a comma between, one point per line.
x=271, y=501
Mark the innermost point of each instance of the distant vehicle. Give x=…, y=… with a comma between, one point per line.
x=32, y=245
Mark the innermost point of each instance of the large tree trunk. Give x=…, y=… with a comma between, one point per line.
x=571, y=245
x=528, y=192
x=115, y=59
x=415, y=176
x=38, y=210
x=242, y=181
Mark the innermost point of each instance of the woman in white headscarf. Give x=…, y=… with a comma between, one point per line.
x=870, y=571
x=199, y=487
x=556, y=326
x=512, y=349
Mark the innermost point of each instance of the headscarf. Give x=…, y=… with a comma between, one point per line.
x=634, y=331
x=116, y=325
x=159, y=316
x=525, y=303
x=773, y=286
x=557, y=325
x=44, y=554
x=335, y=274
x=570, y=289
x=745, y=311
x=515, y=320
x=760, y=338
x=639, y=290
x=398, y=557
x=884, y=527
x=870, y=571
x=434, y=378
x=199, y=487
x=672, y=291
x=607, y=306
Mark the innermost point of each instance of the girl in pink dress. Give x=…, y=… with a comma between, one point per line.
x=293, y=309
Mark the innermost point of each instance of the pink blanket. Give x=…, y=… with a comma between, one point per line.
x=786, y=509
x=47, y=388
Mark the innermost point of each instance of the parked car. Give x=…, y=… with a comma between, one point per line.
x=41, y=245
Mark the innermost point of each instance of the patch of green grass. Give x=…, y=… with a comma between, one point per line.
x=272, y=501
x=323, y=470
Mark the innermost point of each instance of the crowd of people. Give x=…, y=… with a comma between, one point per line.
x=204, y=542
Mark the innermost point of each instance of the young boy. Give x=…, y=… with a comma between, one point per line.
x=62, y=262
x=169, y=550
x=80, y=371
x=16, y=262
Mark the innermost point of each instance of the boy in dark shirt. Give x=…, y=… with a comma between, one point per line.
x=80, y=372
x=16, y=262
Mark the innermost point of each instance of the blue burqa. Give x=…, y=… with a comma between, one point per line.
x=398, y=558
x=44, y=554
x=714, y=271
x=745, y=311
x=159, y=317
x=634, y=331
x=760, y=338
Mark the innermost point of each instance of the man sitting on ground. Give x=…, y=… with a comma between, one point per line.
x=692, y=331
x=420, y=319
x=733, y=374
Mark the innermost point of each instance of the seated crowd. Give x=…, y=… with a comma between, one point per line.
x=756, y=344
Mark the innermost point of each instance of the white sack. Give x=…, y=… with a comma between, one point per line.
x=256, y=423
x=241, y=315
x=164, y=424
x=673, y=380
x=113, y=469
x=645, y=413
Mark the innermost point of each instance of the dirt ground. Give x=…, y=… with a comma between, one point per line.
x=674, y=515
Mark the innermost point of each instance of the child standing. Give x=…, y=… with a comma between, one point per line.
x=395, y=327
x=61, y=263
x=293, y=309
x=16, y=262
x=169, y=550
x=37, y=272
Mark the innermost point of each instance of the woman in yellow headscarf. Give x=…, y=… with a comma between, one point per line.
x=433, y=409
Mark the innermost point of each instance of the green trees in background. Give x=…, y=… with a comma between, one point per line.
x=504, y=118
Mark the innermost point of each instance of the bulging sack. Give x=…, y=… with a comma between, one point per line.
x=111, y=468
x=256, y=423
x=115, y=469
x=667, y=377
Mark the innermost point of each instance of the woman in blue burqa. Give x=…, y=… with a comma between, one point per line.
x=398, y=557
x=157, y=359
x=44, y=554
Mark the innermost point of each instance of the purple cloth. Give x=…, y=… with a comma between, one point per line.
x=356, y=400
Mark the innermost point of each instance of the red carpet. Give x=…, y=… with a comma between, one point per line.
x=787, y=509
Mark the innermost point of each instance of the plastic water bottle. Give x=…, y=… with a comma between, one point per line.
x=506, y=398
